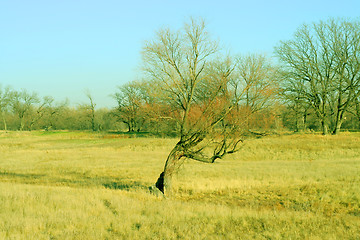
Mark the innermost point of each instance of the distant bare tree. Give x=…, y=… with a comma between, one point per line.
x=21, y=104
x=299, y=110
x=91, y=107
x=357, y=108
x=55, y=110
x=258, y=75
x=259, y=78
x=5, y=99
x=131, y=98
x=346, y=46
x=322, y=67
x=40, y=110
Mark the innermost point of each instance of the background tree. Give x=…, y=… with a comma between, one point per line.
x=356, y=108
x=345, y=43
x=91, y=109
x=260, y=81
x=200, y=91
x=21, y=104
x=131, y=100
x=40, y=110
x=258, y=75
x=53, y=111
x=5, y=99
x=106, y=120
x=297, y=110
x=322, y=67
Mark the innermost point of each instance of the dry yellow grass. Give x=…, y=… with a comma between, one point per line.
x=67, y=185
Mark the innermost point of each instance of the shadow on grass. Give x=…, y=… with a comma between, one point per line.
x=20, y=175
x=119, y=134
x=127, y=186
x=72, y=179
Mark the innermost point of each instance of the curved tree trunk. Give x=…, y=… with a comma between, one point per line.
x=163, y=183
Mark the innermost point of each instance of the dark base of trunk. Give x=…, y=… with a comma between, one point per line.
x=160, y=182
x=335, y=132
x=158, y=189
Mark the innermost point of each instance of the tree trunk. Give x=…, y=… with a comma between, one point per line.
x=337, y=126
x=4, y=120
x=297, y=125
x=357, y=107
x=22, y=125
x=324, y=127
x=128, y=123
x=163, y=183
x=93, y=128
x=305, y=120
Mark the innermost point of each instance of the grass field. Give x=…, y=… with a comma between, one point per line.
x=74, y=185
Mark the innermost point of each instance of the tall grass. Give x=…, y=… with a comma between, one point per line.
x=75, y=185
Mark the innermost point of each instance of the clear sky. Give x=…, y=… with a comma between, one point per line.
x=63, y=47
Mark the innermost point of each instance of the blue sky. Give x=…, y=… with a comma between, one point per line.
x=63, y=47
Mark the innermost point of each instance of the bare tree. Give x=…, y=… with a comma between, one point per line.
x=258, y=75
x=259, y=79
x=346, y=46
x=21, y=104
x=131, y=99
x=91, y=107
x=322, y=67
x=357, y=108
x=40, y=110
x=5, y=99
x=53, y=110
x=201, y=92
x=299, y=109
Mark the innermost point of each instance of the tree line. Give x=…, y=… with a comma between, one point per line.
x=23, y=110
x=314, y=86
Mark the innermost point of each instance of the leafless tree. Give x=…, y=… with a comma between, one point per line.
x=41, y=110
x=259, y=78
x=91, y=108
x=53, y=110
x=5, y=99
x=346, y=46
x=131, y=100
x=322, y=67
x=202, y=92
x=21, y=104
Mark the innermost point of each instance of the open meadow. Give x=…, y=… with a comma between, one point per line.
x=77, y=185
